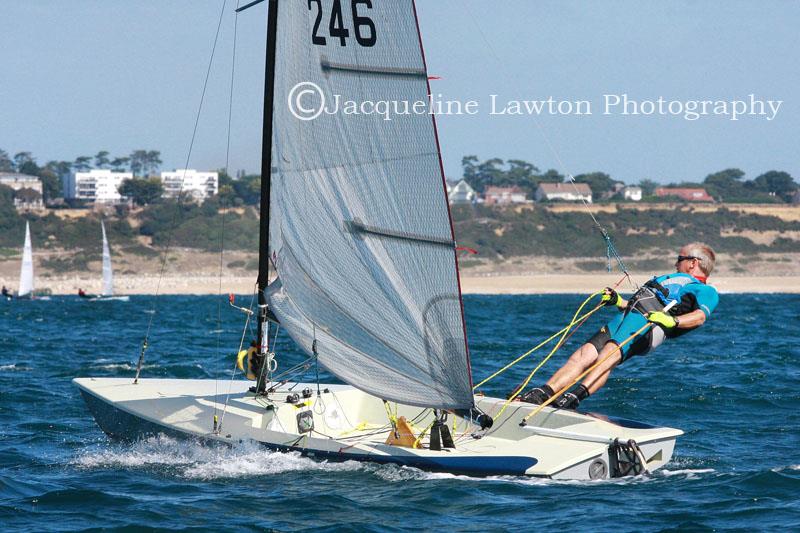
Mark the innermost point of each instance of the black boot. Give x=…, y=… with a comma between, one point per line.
x=571, y=400
x=537, y=396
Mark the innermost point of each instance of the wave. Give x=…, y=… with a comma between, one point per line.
x=193, y=460
x=395, y=473
x=689, y=473
x=121, y=366
x=132, y=366
x=780, y=469
x=15, y=368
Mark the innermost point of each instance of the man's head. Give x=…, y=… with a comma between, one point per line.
x=696, y=259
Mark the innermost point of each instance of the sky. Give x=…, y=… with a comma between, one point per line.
x=89, y=75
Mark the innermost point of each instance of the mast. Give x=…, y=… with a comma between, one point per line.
x=266, y=174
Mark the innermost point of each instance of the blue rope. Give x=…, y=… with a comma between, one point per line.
x=611, y=252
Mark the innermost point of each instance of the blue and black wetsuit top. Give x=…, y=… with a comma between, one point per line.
x=690, y=294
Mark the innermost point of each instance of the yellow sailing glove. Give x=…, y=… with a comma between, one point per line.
x=662, y=319
x=610, y=297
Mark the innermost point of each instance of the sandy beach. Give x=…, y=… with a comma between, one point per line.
x=471, y=284
x=588, y=283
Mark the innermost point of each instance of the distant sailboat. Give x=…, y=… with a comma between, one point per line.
x=107, y=292
x=26, y=272
x=355, y=220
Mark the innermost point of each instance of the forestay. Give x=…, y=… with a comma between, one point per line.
x=108, y=275
x=26, y=272
x=360, y=231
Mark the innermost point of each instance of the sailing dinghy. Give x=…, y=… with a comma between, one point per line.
x=108, y=274
x=356, y=223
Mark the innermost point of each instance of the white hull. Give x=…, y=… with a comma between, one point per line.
x=352, y=425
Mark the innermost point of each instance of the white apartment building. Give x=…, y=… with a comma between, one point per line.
x=199, y=185
x=28, y=189
x=20, y=181
x=98, y=185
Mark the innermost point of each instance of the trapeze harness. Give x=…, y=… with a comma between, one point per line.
x=653, y=296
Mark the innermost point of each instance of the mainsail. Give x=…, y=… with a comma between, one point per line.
x=26, y=272
x=108, y=275
x=360, y=231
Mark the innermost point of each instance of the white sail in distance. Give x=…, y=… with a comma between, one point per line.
x=360, y=230
x=108, y=274
x=26, y=272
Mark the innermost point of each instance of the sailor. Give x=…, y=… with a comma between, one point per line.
x=6, y=292
x=693, y=302
x=82, y=293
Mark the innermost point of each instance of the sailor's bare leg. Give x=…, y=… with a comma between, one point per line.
x=578, y=362
x=595, y=379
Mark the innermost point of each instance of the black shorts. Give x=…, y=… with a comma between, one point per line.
x=638, y=347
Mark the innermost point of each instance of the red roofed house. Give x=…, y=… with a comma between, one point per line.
x=504, y=195
x=690, y=195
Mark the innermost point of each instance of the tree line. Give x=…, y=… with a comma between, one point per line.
x=140, y=162
x=726, y=185
x=144, y=189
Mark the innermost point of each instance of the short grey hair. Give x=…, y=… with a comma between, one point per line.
x=704, y=253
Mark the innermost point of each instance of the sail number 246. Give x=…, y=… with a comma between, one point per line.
x=364, y=27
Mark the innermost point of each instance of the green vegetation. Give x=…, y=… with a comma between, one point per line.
x=244, y=191
x=497, y=233
x=199, y=226
x=726, y=186
x=140, y=249
x=509, y=232
x=729, y=186
x=70, y=263
x=142, y=191
x=517, y=173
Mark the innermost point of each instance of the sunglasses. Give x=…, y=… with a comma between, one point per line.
x=686, y=258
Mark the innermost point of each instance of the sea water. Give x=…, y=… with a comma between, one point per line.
x=733, y=387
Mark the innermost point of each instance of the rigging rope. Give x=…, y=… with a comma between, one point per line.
x=233, y=371
x=223, y=203
x=558, y=393
x=553, y=351
x=535, y=348
x=175, y=215
x=566, y=332
x=579, y=321
x=616, y=350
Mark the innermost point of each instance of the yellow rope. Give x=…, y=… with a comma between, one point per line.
x=586, y=372
x=575, y=320
x=392, y=417
x=553, y=336
x=422, y=435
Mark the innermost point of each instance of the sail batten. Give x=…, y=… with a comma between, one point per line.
x=389, y=71
x=358, y=226
x=360, y=231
